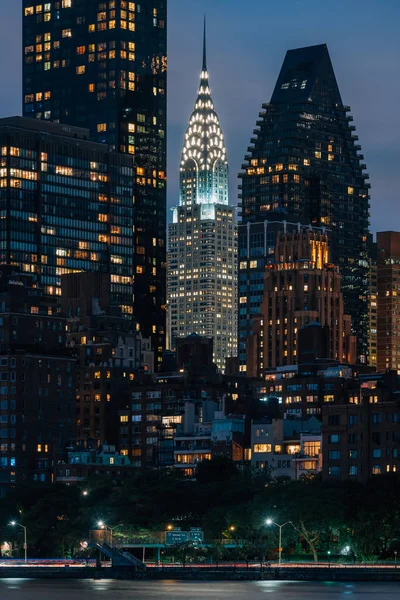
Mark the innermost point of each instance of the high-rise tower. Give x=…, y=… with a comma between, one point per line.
x=301, y=288
x=388, y=296
x=102, y=65
x=304, y=166
x=202, y=254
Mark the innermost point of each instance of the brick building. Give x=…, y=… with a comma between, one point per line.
x=388, y=287
x=108, y=350
x=361, y=434
x=156, y=407
x=300, y=287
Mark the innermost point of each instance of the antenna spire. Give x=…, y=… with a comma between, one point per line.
x=204, y=47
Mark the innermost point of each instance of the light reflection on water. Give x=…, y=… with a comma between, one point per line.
x=26, y=589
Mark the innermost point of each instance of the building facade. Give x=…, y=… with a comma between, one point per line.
x=287, y=447
x=102, y=65
x=37, y=391
x=388, y=287
x=161, y=406
x=301, y=288
x=109, y=354
x=256, y=251
x=66, y=205
x=373, y=304
x=80, y=464
x=304, y=165
x=361, y=440
x=202, y=257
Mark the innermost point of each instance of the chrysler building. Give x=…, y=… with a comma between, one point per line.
x=202, y=256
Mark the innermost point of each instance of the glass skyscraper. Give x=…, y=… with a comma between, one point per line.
x=202, y=269
x=65, y=205
x=304, y=166
x=102, y=65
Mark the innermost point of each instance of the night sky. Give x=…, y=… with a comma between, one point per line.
x=247, y=41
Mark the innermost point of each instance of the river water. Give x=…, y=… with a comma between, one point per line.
x=24, y=589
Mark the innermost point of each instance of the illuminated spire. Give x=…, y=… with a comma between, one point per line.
x=204, y=167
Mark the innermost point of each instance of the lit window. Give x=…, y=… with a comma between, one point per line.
x=101, y=127
x=80, y=70
x=262, y=448
x=329, y=398
x=66, y=33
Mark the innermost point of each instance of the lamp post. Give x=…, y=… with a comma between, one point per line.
x=103, y=525
x=271, y=522
x=232, y=530
x=13, y=524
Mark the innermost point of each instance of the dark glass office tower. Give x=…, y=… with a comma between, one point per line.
x=65, y=205
x=102, y=65
x=304, y=165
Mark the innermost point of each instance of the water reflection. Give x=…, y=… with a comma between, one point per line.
x=25, y=589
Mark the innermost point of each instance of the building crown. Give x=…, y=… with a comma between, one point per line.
x=204, y=167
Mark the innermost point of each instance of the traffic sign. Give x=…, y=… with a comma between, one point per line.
x=176, y=537
x=196, y=535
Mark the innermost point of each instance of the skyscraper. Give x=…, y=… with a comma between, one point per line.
x=102, y=65
x=304, y=165
x=66, y=204
x=372, y=302
x=301, y=288
x=388, y=292
x=202, y=255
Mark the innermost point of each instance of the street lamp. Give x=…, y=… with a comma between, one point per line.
x=13, y=524
x=85, y=493
x=103, y=525
x=271, y=522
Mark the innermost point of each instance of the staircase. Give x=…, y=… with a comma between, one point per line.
x=119, y=558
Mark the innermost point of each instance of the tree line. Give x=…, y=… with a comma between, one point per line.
x=346, y=520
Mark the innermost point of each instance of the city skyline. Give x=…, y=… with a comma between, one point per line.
x=248, y=65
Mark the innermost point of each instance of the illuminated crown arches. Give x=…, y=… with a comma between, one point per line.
x=204, y=165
